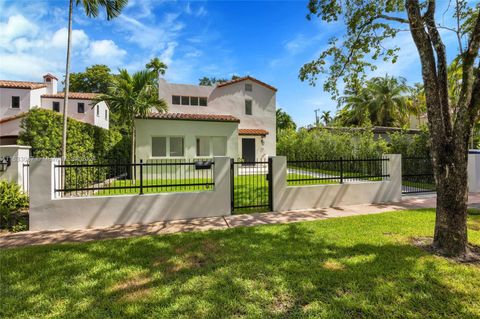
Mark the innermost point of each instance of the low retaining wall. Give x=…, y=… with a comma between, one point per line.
x=19, y=155
x=321, y=196
x=48, y=212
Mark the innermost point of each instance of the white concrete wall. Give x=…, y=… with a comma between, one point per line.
x=321, y=196
x=474, y=172
x=230, y=99
x=101, y=115
x=189, y=130
x=19, y=155
x=48, y=212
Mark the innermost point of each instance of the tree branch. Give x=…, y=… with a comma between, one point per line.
x=396, y=19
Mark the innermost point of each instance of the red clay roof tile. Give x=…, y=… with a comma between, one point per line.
x=21, y=85
x=252, y=131
x=193, y=117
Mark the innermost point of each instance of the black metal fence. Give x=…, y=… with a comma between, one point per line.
x=87, y=179
x=336, y=171
x=251, y=189
x=417, y=175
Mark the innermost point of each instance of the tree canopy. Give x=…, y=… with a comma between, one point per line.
x=211, y=81
x=284, y=121
x=95, y=79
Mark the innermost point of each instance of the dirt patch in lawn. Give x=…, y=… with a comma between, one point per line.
x=471, y=257
x=333, y=265
x=134, y=288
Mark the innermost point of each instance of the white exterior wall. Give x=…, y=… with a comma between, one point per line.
x=230, y=99
x=90, y=113
x=6, y=101
x=474, y=171
x=48, y=212
x=101, y=119
x=190, y=130
x=36, y=97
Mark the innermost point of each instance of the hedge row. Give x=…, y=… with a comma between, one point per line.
x=326, y=144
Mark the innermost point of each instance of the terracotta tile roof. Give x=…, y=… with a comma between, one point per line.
x=252, y=131
x=49, y=75
x=247, y=78
x=73, y=95
x=21, y=84
x=13, y=117
x=193, y=117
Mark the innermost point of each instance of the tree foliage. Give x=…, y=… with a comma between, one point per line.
x=211, y=81
x=95, y=79
x=284, y=121
x=368, y=25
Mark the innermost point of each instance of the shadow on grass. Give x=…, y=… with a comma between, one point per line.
x=275, y=271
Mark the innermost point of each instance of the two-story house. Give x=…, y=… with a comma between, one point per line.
x=18, y=97
x=234, y=118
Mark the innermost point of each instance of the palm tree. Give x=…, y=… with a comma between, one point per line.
x=132, y=96
x=326, y=117
x=389, y=104
x=156, y=66
x=113, y=9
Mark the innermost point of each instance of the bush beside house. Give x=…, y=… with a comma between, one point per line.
x=13, y=203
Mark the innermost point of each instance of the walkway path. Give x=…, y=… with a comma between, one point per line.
x=201, y=224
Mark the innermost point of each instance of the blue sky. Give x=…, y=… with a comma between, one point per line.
x=269, y=40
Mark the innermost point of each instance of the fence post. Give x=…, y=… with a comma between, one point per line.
x=270, y=183
x=232, y=185
x=341, y=170
x=141, y=177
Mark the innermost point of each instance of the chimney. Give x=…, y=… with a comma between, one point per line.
x=51, y=82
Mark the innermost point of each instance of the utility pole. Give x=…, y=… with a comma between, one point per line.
x=317, y=119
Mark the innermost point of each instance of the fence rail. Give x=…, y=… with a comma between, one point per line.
x=336, y=171
x=86, y=179
x=417, y=175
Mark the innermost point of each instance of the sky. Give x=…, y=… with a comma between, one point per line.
x=269, y=40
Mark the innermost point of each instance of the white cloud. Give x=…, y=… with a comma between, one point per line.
x=80, y=39
x=167, y=55
x=105, y=50
x=16, y=26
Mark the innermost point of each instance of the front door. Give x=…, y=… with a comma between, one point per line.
x=248, y=149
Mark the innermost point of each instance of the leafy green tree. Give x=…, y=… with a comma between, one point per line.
x=368, y=24
x=284, y=121
x=95, y=79
x=113, y=8
x=132, y=96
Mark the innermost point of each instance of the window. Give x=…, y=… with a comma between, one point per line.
x=194, y=100
x=203, y=146
x=106, y=114
x=185, y=100
x=56, y=106
x=203, y=101
x=159, y=146
x=15, y=102
x=48, y=80
x=98, y=110
x=176, y=99
x=248, y=87
x=219, y=146
x=81, y=108
x=248, y=107
x=176, y=146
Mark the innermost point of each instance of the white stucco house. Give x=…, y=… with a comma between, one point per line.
x=18, y=97
x=235, y=118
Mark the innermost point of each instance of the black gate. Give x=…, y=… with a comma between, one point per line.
x=417, y=175
x=251, y=189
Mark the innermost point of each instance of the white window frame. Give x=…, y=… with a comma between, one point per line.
x=167, y=147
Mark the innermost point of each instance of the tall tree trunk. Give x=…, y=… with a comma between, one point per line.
x=67, y=83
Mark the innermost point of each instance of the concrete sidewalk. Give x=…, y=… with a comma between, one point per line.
x=201, y=224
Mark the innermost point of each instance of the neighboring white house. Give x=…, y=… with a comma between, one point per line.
x=18, y=97
x=235, y=118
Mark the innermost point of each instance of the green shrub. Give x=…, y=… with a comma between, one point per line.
x=12, y=202
x=42, y=130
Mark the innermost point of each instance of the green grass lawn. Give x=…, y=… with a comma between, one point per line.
x=353, y=267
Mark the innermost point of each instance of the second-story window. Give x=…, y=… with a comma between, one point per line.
x=56, y=106
x=194, y=101
x=185, y=100
x=248, y=87
x=81, y=108
x=203, y=101
x=106, y=114
x=15, y=102
x=248, y=107
x=98, y=110
x=176, y=99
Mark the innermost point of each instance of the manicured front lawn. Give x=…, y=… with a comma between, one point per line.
x=354, y=267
